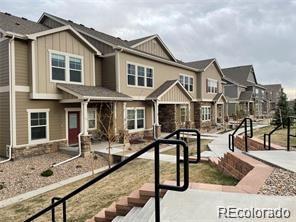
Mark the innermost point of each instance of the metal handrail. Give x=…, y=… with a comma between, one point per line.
x=269, y=136
x=289, y=131
x=178, y=160
x=56, y=201
x=231, y=135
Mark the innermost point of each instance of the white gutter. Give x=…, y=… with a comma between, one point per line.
x=79, y=145
x=10, y=53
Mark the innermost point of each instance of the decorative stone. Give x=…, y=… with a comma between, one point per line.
x=85, y=145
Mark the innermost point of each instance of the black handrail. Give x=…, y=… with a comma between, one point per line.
x=289, y=121
x=178, y=160
x=269, y=136
x=58, y=201
x=231, y=135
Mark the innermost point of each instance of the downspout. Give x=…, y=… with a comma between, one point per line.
x=10, y=101
x=154, y=123
x=79, y=143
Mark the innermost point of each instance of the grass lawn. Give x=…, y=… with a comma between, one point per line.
x=278, y=137
x=192, y=148
x=102, y=194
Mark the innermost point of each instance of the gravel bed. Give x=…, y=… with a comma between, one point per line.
x=23, y=175
x=281, y=183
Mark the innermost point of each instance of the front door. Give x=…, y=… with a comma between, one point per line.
x=73, y=127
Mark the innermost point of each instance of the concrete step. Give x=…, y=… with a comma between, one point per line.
x=146, y=212
x=118, y=219
x=132, y=214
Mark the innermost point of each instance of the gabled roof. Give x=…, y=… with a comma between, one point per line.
x=23, y=26
x=240, y=74
x=204, y=64
x=218, y=96
x=93, y=92
x=246, y=96
x=137, y=42
x=273, y=87
x=165, y=87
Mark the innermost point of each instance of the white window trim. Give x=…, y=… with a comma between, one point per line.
x=136, y=129
x=29, y=111
x=67, y=67
x=205, y=107
x=186, y=110
x=190, y=77
x=95, y=110
x=136, y=75
x=214, y=80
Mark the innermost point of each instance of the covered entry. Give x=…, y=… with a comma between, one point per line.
x=172, y=106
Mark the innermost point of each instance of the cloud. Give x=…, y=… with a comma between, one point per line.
x=236, y=32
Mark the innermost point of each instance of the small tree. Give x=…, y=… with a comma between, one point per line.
x=283, y=110
x=294, y=107
x=105, y=126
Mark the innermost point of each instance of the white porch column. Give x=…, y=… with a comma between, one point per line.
x=248, y=108
x=124, y=116
x=115, y=117
x=156, y=121
x=84, y=117
x=216, y=113
x=189, y=112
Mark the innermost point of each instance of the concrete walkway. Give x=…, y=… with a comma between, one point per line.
x=279, y=158
x=201, y=205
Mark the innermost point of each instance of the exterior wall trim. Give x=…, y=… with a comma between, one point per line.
x=45, y=96
x=28, y=145
x=22, y=88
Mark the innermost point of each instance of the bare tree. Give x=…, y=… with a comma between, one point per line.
x=106, y=127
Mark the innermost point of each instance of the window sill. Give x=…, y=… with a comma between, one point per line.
x=136, y=130
x=40, y=141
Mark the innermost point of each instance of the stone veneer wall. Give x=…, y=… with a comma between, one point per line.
x=253, y=144
x=38, y=149
x=167, y=117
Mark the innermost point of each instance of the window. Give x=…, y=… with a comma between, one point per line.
x=139, y=75
x=187, y=82
x=135, y=118
x=212, y=86
x=66, y=68
x=205, y=113
x=92, y=119
x=183, y=114
x=38, y=125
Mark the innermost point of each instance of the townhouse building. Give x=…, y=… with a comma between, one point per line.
x=245, y=95
x=273, y=93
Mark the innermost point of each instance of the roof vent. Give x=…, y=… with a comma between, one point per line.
x=81, y=25
x=6, y=13
x=118, y=38
x=23, y=18
x=17, y=23
x=70, y=21
x=92, y=28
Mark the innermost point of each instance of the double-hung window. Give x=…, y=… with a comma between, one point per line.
x=205, y=113
x=38, y=125
x=66, y=68
x=139, y=75
x=92, y=119
x=187, y=82
x=135, y=118
x=212, y=86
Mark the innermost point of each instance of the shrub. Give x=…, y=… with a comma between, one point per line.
x=47, y=173
x=2, y=185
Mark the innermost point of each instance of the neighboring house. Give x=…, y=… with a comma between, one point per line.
x=245, y=96
x=55, y=75
x=273, y=93
x=211, y=103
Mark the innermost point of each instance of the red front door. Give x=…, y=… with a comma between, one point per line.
x=73, y=127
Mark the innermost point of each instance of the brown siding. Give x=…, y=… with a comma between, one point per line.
x=4, y=122
x=109, y=75
x=56, y=117
x=62, y=42
x=4, y=63
x=99, y=67
x=175, y=94
x=51, y=23
x=21, y=63
x=102, y=47
x=155, y=48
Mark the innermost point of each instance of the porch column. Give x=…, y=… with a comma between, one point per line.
x=84, y=118
x=216, y=113
x=189, y=111
x=248, y=108
x=124, y=116
x=156, y=121
x=115, y=117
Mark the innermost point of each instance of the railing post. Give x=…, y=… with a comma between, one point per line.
x=269, y=142
x=178, y=160
x=53, y=210
x=246, y=136
x=198, y=146
x=288, y=133
x=64, y=212
x=156, y=188
x=264, y=139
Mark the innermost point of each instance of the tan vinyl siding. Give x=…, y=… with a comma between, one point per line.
x=99, y=69
x=4, y=63
x=22, y=63
x=162, y=73
x=175, y=94
x=211, y=73
x=4, y=122
x=56, y=117
x=61, y=42
x=155, y=48
x=109, y=75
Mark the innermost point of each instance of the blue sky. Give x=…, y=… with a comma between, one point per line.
x=236, y=32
